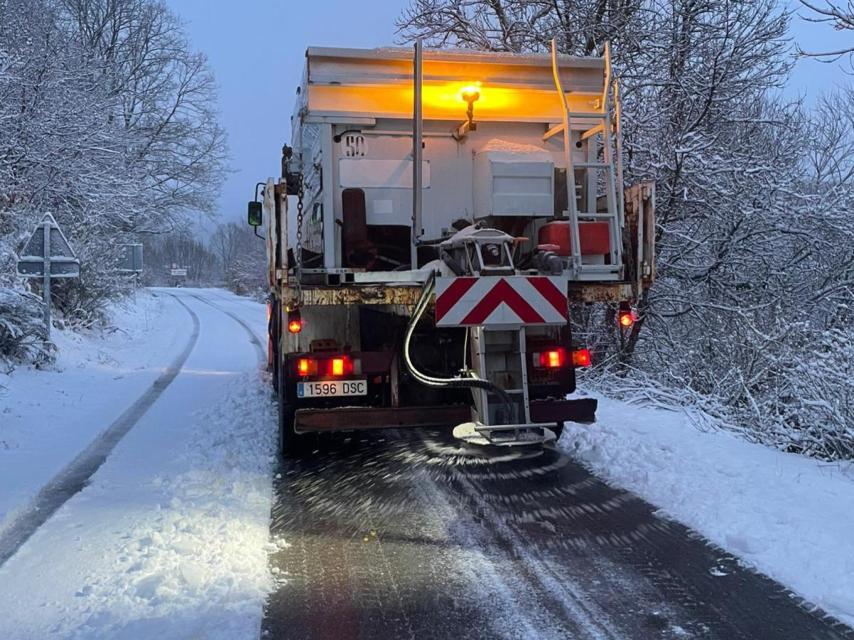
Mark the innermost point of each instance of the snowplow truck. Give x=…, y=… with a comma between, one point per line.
x=438, y=215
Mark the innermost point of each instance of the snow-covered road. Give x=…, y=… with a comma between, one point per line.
x=169, y=537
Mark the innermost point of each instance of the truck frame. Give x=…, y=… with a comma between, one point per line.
x=438, y=216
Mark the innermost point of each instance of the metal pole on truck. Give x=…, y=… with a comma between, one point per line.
x=417, y=135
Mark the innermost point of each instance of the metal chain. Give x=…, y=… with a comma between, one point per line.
x=298, y=252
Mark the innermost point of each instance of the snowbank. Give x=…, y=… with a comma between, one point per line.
x=790, y=517
x=194, y=564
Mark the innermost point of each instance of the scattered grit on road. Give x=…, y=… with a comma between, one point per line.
x=408, y=535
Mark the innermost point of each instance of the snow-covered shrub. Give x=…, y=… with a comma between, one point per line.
x=812, y=409
x=22, y=332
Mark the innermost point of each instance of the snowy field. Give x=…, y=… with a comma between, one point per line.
x=789, y=517
x=170, y=539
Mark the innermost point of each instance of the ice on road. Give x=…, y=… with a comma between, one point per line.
x=170, y=538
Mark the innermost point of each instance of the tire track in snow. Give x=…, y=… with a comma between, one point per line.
x=75, y=476
x=254, y=339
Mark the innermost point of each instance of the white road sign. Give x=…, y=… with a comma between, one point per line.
x=53, y=254
x=48, y=255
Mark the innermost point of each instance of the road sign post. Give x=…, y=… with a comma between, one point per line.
x=46, y=286
x=47, y=255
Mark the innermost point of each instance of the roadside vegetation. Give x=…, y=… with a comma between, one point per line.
x=107, y=121
x=232, y=257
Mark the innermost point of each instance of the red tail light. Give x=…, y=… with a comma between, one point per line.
x=581, y=357
x=307, y=367
x=294, y=321
x=340, y=366
x=626, y=316
x=553, y=359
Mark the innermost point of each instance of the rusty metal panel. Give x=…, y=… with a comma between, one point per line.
x=348, y=295
x=271, y=228
x=640, y=234
x=604, y=292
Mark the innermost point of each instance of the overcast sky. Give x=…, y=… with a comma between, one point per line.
x=257, y=51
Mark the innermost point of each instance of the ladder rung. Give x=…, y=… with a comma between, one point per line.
x=558, y=128
x=601, y=216
x=599, y=128
x=580, y=114
x=591, y=165
x=599, y=268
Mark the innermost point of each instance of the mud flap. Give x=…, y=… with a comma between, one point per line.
x=576, y=410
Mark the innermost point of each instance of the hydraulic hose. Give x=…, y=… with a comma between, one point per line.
x=470, y=382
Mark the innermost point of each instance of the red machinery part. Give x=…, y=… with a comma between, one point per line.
x=334, y=366
x=552, y=359
x=626, y=316
x=581, y=358
x=593, y=237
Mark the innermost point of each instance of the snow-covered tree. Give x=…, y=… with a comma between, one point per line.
x=108, y=121
x=163, y=95
x=242, y=257
x=840, y=15
x=181, y=248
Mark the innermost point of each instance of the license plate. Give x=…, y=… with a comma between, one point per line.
x=332, y=388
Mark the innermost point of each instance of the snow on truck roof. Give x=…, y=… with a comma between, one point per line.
x=342, y=83
x=454, y=54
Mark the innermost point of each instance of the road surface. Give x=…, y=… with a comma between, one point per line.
x=161, y=529
x=407, y=535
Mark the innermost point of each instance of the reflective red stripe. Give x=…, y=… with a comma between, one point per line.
x=551, y=293
x=450, y=296
x=502, y=292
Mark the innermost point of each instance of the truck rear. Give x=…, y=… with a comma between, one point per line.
x=438, y=216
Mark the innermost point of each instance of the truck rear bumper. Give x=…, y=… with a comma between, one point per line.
x=361, y=418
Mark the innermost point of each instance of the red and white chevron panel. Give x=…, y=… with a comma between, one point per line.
x=501, y=301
